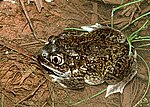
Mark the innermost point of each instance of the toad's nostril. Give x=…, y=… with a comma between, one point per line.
x=44, y=55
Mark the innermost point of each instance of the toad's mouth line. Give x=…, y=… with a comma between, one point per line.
x=56, y=72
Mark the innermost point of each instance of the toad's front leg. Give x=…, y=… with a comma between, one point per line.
x=71, y=81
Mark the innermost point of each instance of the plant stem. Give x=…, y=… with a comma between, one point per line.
x=124, y=5
x=135, y=20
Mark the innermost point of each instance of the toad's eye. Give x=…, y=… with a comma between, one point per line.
x=57, y=60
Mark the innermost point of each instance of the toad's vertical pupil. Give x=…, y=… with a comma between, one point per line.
x=55, y=59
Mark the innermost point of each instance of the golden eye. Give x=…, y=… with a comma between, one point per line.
x=57, y=60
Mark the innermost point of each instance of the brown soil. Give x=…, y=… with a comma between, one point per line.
x=23, y=83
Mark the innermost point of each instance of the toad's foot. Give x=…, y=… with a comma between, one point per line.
x=119, y=87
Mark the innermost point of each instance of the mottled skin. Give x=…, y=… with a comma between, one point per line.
x=74, y=58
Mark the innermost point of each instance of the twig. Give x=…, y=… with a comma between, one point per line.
x=142, y=77
x=44, y=104
x=2, y=100
x=133, y=35
x=51, y=93
x=132, y=15
x=31, y=94
x=28, y=18
x=8, y=97
x=30, y=43
x=94, y=16
x=142, y=49
x=143, y=15
x=88, y=98
x=82, y=12
x=102, y=17
x=124, y=5
x=17, y=49
x=53, y=96
x=148, y=84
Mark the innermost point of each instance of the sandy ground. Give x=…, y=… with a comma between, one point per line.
x=24, y=84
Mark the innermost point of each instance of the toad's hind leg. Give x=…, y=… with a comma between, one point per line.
x=93, y=78
x=119, y=87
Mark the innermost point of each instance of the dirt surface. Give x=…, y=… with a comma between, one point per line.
x=22, y=81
